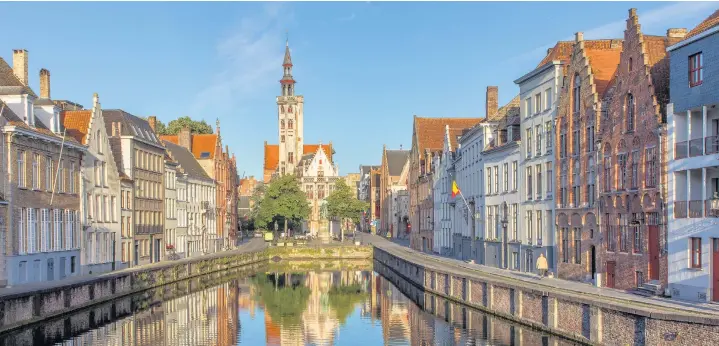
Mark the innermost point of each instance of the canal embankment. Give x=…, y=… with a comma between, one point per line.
x=574, y=311
x=24, y=305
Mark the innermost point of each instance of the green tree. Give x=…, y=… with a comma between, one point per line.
x=283, y=202
x=197, y=127
x=344, y=299
x=284, y=301
x=342, y=204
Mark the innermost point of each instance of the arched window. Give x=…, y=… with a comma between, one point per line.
x=290, y=124
x=99, y=142
x=576, y=93
x=282, y=109
x=629, y=110
x=630, y=64
x=282, y=139
x=282, y=124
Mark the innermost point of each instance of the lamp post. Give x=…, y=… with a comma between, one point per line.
x=505, y=235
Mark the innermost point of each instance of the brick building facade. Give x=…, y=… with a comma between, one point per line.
x=632, y=136
x=589, y=71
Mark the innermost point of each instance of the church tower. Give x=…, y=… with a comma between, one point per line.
x=290, y=119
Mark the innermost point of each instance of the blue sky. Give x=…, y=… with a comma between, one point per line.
x=364, y=68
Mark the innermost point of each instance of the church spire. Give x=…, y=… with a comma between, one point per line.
x=287, y=82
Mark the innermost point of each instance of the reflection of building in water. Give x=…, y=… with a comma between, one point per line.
x=319, y=323
x=227, y=315
x=394, y=314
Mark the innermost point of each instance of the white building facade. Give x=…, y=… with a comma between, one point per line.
x=171, y=209
x=538, y=91
x=317, y=176
x=693, y=167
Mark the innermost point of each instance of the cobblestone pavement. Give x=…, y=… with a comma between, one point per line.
x=247, y=245
x=661, y=305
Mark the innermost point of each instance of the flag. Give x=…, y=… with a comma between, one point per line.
x=455, y=189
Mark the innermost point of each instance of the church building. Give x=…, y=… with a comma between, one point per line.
x=283, y=158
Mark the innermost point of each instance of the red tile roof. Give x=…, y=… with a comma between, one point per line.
x=429, y=132
x=603, y=56
x=200, y=143
x=77, y=124
x=561, y=51
x=272, y=154
x=707, y=24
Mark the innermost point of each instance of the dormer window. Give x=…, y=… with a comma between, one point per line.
x=205, y=155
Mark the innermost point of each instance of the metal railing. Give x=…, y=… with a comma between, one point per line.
x=681, y=150
x=711, y=145
x=696, y=147
x=695, y=209
x=680, y=209
x=711, y=207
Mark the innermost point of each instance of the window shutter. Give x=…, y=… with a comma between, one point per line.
x=31, y=230
x=21, y=228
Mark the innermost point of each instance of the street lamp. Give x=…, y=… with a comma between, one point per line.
x=504, y=228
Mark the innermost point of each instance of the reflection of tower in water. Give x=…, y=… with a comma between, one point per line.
x=319, y=323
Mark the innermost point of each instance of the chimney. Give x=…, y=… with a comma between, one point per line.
x=492, y=105
x=44, y=84
x=184, y=138
x=114, y=129
x=549, y=50
x=152, y=120
x=119, y=128
x=19, y=65
x=578, y=37
x=676, y=32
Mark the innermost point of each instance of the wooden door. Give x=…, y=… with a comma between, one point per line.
x=715, y=270
x=653, y=252
x=610, y=273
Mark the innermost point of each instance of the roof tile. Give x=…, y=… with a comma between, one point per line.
x=429, y=132
x=77, y=124
x=710, y=22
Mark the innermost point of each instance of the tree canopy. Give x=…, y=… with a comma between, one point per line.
x=197, y=127
x=343, y=204
x=283, y=200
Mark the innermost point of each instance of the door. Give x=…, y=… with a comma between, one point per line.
x=157, y=250
x=610, y=274
x=594, y=261
x=653, y=252
x=137, y=252
x=715, y=270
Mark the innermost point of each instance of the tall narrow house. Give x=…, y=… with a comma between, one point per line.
x=40, y=185
x=632, y=137
x=139, y=156
x=103, y=227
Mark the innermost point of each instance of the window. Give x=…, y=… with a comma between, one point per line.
x=72, y=177
x=496, y=179
x=529, y=183
x=113, y=211
x=48, y=173
x=515, y=219
x=529, y=142
x=515, y=176
x=590, y=138
x=537, y=103
x=31, y=230
x=565, y=245
x=637, y=235
x=696, y=69
x=629, y=111
x=35, y=171
x=99, y=142
x=489, y=180
x=623, y=236
x=540, y=228
x=21, y=168
x=696, y=254
x=563, y=145
x=549, y=175
x=290, y=124
x=607, y=173
x=320, y=191
x=539, y=181
x=577, y=246
x=635, y=169
x=638, y=278
x=22, y=240
x=629, y=68
x=576, y=94
x=282, y=139
x=576, y=188
x=282, y=124
x=622, y=167
x=650, y=167
x=575, y=143
x=538, y=134
x=45, y=224
x=548, y=98
x=529, y=225
x=549, y=135
x=290, y=157
x=591, y=178
x=505, y=172
x=57, y=230
x=527, y=107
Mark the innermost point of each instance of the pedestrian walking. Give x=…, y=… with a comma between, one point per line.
x=542, y=265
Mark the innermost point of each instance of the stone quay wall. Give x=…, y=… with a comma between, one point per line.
x=584, y=318
x=59, y=298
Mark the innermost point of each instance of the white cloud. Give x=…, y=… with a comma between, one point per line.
x=654, y=21
x=249, y=61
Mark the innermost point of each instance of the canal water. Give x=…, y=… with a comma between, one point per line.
x=276, y=305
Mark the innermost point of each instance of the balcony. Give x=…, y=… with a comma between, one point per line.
x=711, y=145
x=696, y=132
x=696, y=209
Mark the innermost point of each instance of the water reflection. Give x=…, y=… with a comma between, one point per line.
x=268, y=306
